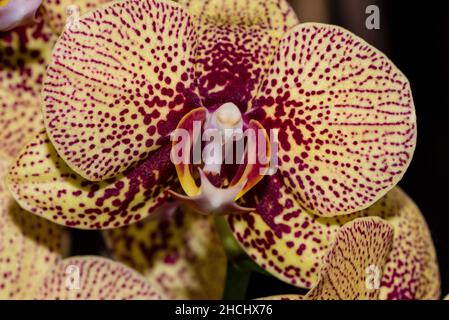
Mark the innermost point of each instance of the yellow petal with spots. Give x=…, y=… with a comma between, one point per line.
x=281, y=237
x=411, y=271
x=95, y=278
x=179, y=250
x=237, y=40
x=346, y=119
x=43, y=184
x=24, y=55
x=267, y=13
x=118, y=84
x=290, y=242
x=360, y=244
x=29, y=246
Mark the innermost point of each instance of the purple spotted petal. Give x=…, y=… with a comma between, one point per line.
x=118, y=83
x=290, y=242
x=280, y=236
x=179, y=250
x=273, y=14
x=346, y=119
x=17, y=13
x=236, y=42
x=24, y=55
x=360, y=245
x=411, y=271
x=29, y=246
x=43, y=184
x=95, y=278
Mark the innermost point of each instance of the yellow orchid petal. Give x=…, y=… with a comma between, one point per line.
x=359, y=244
x=17, y=13
x=412, y=269
x=346, y=119
x=43, y=184
x=118, y=85
x=95, y=278
x=237, y=39
x=29, y=246
x=267, y=13
x=290, y=242
x=282, y=237
x=179, y=250
x=24, y=55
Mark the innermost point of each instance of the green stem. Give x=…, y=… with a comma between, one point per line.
x=233, y=250
x=240, y=266
x=236, y=282
x=230, y=245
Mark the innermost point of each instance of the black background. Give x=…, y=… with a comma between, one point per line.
x=420, y=48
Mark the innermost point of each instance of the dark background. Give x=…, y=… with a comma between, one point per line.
x=415, y=36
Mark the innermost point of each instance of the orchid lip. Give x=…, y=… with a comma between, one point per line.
x=226, y=123
x=213, y=200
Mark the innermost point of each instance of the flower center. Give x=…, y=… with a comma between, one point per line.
x=224, y=126
x=228, y=140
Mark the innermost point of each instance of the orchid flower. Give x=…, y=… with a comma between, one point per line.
x=133, y=72
x=359, y=243
x=24, y=55
x=25, y=52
